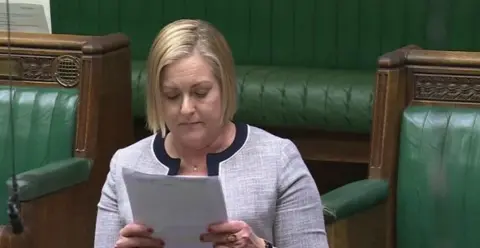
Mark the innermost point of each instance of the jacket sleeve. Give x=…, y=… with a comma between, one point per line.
x=299, y=219
x=108, y=223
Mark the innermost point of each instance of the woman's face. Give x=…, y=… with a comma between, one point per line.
x=192, y=101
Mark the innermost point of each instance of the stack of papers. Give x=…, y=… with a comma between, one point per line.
x=178, y=208
x=27, y=16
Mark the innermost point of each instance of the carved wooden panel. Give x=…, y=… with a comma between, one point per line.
x=437, y=87
x=64, y=70
x=36, y=68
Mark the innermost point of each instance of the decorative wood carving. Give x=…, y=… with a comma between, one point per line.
x=64, y=69
x=37, y=68
x=447, y=88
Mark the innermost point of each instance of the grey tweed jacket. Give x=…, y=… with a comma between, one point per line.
x=265, y=182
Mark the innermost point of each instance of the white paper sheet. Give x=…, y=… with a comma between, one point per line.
x=178, y=208
x=28, y=16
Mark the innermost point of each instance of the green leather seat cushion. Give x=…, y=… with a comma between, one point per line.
x=331, y=100
x=438, y=199
x=45, y=124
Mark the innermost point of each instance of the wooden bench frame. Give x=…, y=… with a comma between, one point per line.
x=104, y=124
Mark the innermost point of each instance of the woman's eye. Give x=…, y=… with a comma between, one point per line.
x=201, y=93
x=172, y=97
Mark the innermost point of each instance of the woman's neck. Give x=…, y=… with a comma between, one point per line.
x=224, y=139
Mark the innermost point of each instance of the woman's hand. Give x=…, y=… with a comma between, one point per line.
x=137, y=236
x=232, y=234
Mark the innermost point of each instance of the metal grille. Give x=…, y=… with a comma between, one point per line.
x=67, y=70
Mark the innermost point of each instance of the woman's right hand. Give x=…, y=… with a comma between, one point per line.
x=137, y=236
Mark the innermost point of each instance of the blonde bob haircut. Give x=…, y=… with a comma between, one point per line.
x=178, y=40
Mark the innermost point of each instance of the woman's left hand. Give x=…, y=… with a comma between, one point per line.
x=232, y=234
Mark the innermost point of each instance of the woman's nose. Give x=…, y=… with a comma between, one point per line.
x=187, y=106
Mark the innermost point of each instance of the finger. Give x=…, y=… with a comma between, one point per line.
x=136, y=230
x=219, y=238
x=229, y=245
x=221, y=246
x=139, y=242
x=227, y=227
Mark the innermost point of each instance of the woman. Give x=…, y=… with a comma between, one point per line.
x=271, y=198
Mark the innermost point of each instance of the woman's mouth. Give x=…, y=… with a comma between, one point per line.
x=190, y=123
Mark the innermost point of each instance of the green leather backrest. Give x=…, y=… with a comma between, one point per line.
x=438, y=197
x=325, y=33
x=44, y=122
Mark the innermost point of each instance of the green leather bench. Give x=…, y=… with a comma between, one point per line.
x=292, y=97
x=70, y=113
x=421, y=190
x=304, y=64
x=287, y=78
x=437, y=200
x=44, y=122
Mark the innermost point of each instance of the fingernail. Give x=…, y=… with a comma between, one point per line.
x=202, y=237
x=150, y=230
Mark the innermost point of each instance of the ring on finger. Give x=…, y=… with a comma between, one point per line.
x=232, y=238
